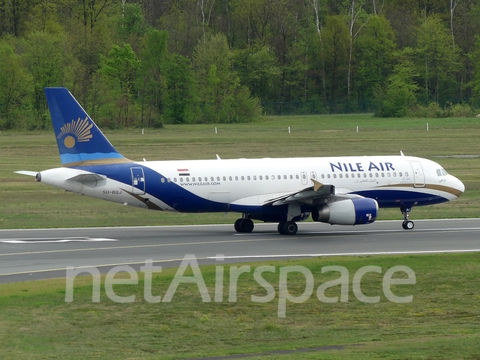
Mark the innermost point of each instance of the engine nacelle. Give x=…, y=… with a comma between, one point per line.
x=347, y=212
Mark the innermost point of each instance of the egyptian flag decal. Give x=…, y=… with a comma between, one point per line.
x=183, y=172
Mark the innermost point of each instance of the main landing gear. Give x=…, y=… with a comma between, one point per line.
x=407, y=224
x=244, y=225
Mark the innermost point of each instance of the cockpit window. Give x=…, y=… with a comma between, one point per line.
x=444, y=172
x=439, y=172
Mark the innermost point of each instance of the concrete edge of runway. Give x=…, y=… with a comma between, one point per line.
x=207, y=225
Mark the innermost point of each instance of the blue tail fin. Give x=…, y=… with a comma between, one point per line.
x=79, y=140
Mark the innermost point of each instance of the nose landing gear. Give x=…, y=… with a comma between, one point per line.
x=407, y=224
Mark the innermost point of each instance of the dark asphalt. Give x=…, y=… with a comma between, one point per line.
x=45, y=253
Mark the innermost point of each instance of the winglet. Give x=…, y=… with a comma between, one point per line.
x=316, y=185
x=401, y=153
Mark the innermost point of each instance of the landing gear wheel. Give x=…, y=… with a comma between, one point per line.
x=237, y=225
x=246, y=225
x=408, y=225
x=287, y=228
x=243, y=225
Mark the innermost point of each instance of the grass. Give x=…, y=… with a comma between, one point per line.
x=441, y=322
x=30, y=205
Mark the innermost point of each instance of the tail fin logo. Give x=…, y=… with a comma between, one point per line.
x=80, y=130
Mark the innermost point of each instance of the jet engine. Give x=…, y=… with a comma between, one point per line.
x=347, y=212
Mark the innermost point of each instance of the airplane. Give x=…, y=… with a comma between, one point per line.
x=334, y=190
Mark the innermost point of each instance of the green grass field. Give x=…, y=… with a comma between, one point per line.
x=440, y=323
x=27, y=204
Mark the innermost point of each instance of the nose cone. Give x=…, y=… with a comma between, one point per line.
x=458, y=188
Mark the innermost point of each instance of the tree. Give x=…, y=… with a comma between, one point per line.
x=45, y=60
x=15, y=86
x=119, y=68
x=178, y=96
x=222, y=97
x=336, y=40
x=439, y=59
x=400, y=93
x=374, y=57
x=150, y=80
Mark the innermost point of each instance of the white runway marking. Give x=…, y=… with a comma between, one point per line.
x=54, y=240
x=346, y=254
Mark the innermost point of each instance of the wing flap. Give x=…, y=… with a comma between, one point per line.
x=305, y=196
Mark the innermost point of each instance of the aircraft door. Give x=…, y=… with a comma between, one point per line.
x=418, y=175
x=138, y=180
x=313, y=175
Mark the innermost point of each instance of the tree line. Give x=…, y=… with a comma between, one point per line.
x=149, y=62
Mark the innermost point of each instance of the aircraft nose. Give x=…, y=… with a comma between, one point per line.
x=458, y=186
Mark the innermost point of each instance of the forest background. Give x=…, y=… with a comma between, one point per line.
x=149, y=62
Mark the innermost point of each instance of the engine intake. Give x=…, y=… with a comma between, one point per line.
x=347, y=212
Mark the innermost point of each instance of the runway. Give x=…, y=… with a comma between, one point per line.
x=46, y=253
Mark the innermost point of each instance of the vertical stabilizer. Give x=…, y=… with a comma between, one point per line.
x=79, y=140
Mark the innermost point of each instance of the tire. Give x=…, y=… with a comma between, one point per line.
x=237, y=225
x=280, y=228
x=246, y=225
x=409, y=225
x=290, y=228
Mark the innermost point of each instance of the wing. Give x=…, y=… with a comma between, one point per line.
x=313, y=195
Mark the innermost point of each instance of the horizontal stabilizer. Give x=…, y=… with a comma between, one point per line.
x=28, y=173
x=87, y=178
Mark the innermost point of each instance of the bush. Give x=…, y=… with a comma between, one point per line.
x=432, y=111
x=458, y=110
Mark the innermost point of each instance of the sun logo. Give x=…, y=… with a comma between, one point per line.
x=80, y=129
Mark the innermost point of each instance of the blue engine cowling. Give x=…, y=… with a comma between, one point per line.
x=347, y=212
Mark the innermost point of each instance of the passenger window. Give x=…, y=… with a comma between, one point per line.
x=254, y=177
x=371, y=175
x=163, y=180
x=248, y=177
x=328, y=176
x=383, y=174
x=243, y=178
x=260, y=177
x=206, y=179
x=224, y=178
x=291, y=177
x=279, y=177
x=388, y=174
x=376, y=174
x=334, y=176
x=346, y=176
x=340, y=176
x=394, y=174
x=174, y=179
x=188, y=179
x=400, y=174
x=236, y=178
x=181, y=180
x=168, y=180
x=297, y=176
x=266, y=177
